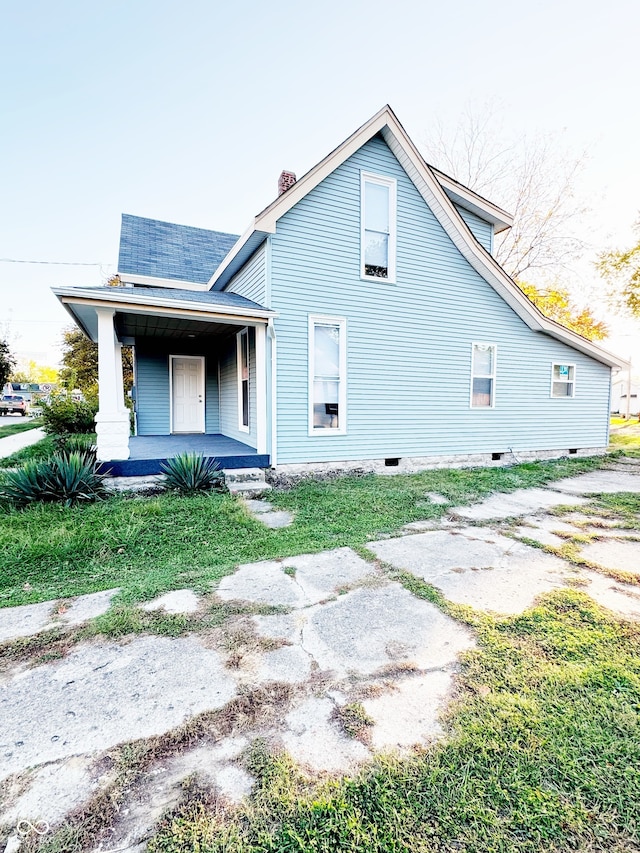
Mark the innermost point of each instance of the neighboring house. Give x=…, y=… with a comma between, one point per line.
x=32, y=392
x=361, y=320
x=621, y=387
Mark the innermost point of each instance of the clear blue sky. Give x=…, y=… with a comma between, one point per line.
x=188, y=111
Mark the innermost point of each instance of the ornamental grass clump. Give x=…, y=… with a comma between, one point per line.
x=68, y=477
x=188, y=473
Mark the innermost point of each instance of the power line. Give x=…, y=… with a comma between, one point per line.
x=52, y=263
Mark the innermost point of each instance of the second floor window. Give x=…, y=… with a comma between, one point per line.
x=378, y=227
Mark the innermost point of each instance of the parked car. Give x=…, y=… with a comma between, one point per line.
x=13, y=403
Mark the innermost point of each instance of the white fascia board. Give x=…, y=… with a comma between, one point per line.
x=252, y=238
x=482, y=207
x=152, y=281
x=78, y=295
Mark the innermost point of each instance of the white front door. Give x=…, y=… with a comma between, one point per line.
x=187, y=393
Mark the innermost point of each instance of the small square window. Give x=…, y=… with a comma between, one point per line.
x=563, y=381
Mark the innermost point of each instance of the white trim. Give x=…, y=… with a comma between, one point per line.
x=274, y=393
x=435, y=195
x=392, y=186
x=571, y=381
x=491, y=376
x=241, y=426
x=153, y=281
x=202, y=383
x=321, y=319
x=471, y=201
x=261, y=389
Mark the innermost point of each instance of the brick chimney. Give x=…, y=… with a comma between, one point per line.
x=286, y=180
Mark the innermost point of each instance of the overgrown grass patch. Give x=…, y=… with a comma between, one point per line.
x=147, y=546
x=543, y=754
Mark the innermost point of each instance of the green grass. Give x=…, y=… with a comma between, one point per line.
x=625, y=435
x=542, y=754
x=8, y=429
x=150, y=545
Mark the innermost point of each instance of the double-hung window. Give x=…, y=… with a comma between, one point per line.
x=483, y=376
x=377, y=227
x=327, y=376
x=563, y=380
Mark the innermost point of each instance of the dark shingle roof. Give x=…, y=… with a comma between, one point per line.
x=164, y=250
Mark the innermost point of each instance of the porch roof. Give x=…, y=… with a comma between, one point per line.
x=182, y=308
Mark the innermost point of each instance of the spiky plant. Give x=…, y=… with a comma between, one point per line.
x=69, y=477
x=191, y=472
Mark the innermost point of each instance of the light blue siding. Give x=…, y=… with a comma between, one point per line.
x=409, y=343
x=152, y=384
x=250, y=282
x=481, y=230
x=229, y=411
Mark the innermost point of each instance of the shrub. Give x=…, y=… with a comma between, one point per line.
x=64, y=415
x=191, y=472
x=68, y=442
x=69, y=477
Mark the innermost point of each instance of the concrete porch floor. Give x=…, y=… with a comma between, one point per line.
x=148, y=452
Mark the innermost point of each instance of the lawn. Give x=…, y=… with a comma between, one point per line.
x=625, y=435
x=13, y=428
x=150, y=545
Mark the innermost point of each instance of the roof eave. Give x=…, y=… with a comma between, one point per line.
x=156, y=281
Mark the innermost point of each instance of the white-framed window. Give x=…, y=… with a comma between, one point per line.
x=327, y=375
x=377, y=227
x=483, y=375
x=242, y=339
x=563, y=380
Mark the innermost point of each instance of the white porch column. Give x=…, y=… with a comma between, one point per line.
x=261, y=388
x=112, y=419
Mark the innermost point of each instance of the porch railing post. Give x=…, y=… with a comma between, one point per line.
x=261, y=388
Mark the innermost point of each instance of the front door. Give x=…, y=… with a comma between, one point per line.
x=187, y=393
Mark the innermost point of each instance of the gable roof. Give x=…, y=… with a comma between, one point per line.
x=440, y=193
x=155, y=249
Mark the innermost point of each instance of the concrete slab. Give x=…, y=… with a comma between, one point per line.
x=103, y=694
x=614, y=554
x=369, y=629
x=296, y=581
x=177, y=601
x=476, y=567
x=623, y=599
x=514, y=504
x=25, y=620
x=596, y=482
x=276, y=519
x=53, y=791
x=409, y=715
x=315, y=741
x=290, y=664
x=13, y=443
x=544, y=529
x=86, y=607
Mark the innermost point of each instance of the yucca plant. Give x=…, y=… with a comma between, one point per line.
x=191, y=472
x=70, y=477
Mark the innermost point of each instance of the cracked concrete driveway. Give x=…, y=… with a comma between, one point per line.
x=342, y=631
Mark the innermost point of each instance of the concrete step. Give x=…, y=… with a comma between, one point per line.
x=243, y=475
x=250, y=489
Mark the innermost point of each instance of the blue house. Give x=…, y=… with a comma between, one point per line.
x=360, y=321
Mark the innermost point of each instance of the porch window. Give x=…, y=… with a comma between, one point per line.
x=377, y=227
x=243, y=380
x=327, y=375
x=483, y=376
x=563, y=380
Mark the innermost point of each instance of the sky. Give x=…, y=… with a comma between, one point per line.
x=188, y=111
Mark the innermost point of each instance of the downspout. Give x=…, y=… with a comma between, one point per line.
x=271, y=333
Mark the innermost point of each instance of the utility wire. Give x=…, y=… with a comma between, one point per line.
x=52, y=263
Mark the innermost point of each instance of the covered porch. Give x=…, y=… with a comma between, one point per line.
x=201, y=375
x=147, y=453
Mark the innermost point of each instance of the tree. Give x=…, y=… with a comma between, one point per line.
x=80, y=363
x=7, y=363
x=621, y=269
x=555, y=303
x=34, y=372
x=531, y=178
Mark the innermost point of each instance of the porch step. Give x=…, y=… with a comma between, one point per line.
x=248, y=482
